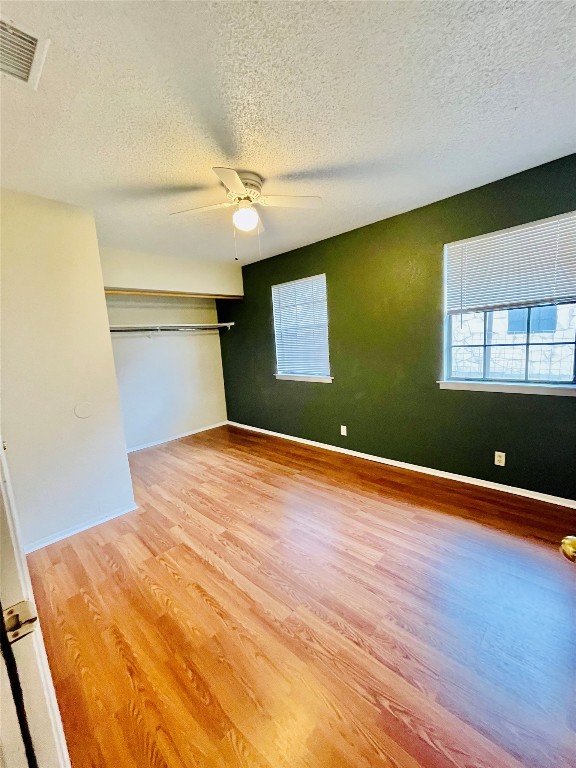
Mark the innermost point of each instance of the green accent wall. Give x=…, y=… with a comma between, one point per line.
x=385, y=294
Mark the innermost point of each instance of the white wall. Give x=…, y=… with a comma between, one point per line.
x=60, y=409
x=170, y=384
x=158, y=272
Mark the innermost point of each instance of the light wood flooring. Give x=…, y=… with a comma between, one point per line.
x=273, y=605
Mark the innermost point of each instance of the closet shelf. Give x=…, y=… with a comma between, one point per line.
x=168, y=294
x=170, y=327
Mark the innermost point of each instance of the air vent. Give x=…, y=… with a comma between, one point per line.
x=21, y=54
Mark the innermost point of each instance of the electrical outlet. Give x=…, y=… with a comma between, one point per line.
x=499, y=459
x=343, y=430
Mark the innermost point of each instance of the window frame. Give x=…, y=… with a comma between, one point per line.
x=486, y=384
x=312, y=378
x=559, y=293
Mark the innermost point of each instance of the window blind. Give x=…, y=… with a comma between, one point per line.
x=301, y=327
x=527, y=265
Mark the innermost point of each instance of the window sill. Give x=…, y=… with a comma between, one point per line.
x=291, y=377
x=563, y=390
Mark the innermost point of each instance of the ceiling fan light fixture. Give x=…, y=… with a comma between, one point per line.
x=246, y=217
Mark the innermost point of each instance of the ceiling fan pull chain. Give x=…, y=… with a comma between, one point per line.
x=235, y=244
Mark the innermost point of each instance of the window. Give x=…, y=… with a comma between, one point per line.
x=510, y=301
x=514, y=344
x=301, y=329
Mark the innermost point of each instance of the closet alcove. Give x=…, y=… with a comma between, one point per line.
x=168, y=363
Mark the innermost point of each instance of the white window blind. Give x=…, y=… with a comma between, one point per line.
x=301, y=327
x=527, y=265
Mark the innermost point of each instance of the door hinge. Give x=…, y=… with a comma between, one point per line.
x=20, y=619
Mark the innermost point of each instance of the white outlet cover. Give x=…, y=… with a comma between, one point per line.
x=499, y=458
x=343, y=430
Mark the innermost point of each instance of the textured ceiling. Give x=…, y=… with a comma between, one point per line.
x=379, y=107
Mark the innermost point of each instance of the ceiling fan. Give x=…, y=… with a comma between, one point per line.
x=245, y=191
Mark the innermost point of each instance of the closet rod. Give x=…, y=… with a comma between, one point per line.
x=173, y=327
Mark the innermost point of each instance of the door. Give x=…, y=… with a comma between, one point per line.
x=31, y=731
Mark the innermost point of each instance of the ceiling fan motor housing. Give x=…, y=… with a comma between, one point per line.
x=253, y=185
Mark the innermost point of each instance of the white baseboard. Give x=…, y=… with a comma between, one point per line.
x=571, y=503
x=176, y=437
x=559, y=500
x=28, y=548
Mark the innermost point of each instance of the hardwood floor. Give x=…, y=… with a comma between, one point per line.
x=272, y=605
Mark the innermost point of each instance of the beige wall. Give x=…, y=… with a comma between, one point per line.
x=147, y=271
x=60, y=408
x=170, y=384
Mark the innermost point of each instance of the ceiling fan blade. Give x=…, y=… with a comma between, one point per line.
x=231, y=180
x=290, y=201
x=203, y=208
